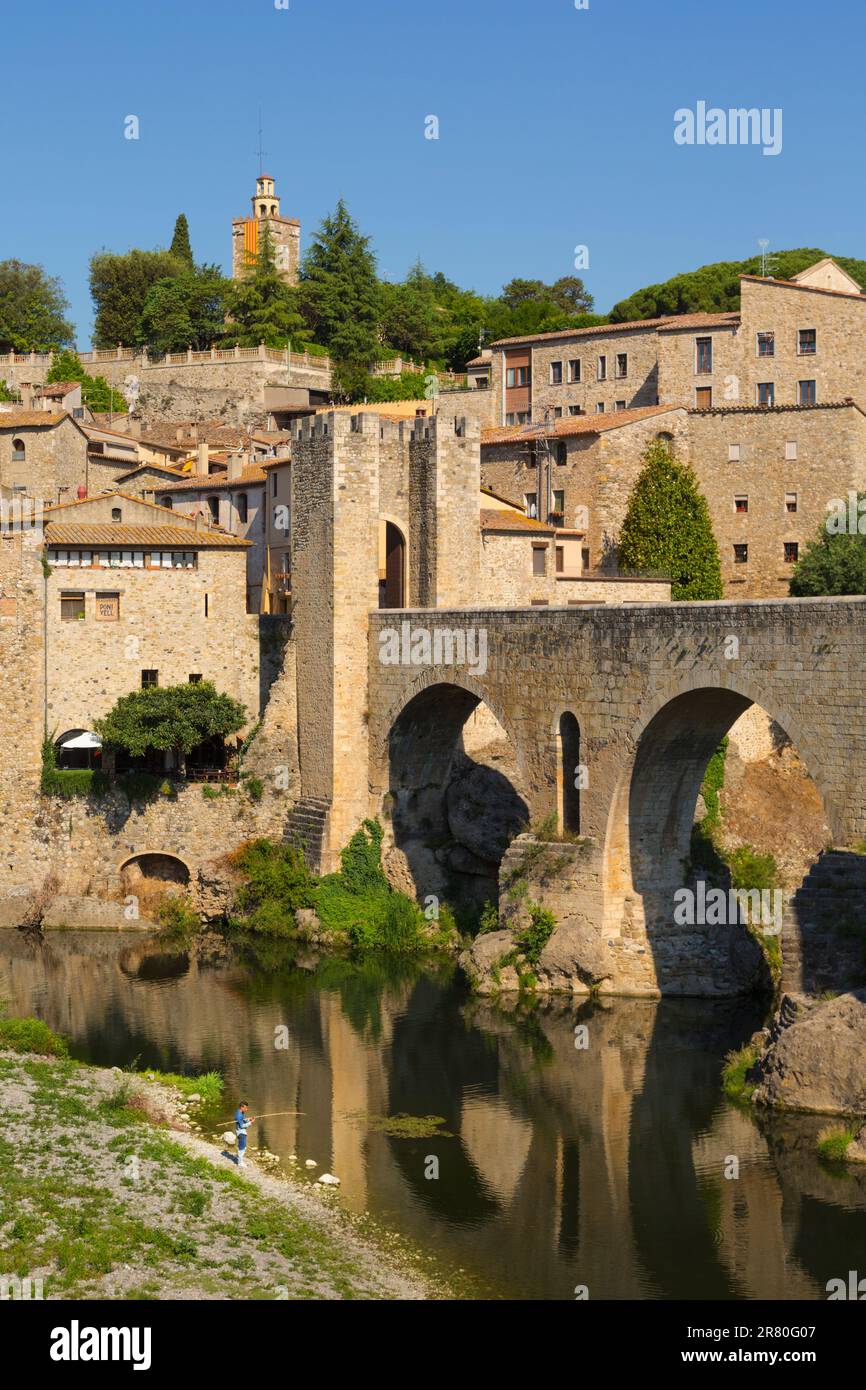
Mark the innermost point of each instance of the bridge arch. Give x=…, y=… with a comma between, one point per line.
x=157, y=865
x=647, y=842
x=455, y=790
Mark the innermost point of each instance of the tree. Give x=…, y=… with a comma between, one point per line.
x=95, y=390
x=180, y=247
x=32, y=309
x=262, y=308
x=571, y=294
x=834, y=562
x=119, y=286
x=183, y=311
x=339, y=297
x=667, y=528
x=170, y=718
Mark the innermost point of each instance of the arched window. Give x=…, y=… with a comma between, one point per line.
x=116, y=514
x=665, y=438
x=262, y=209
x=18, y=451
x=392, y=567
x=569, y=773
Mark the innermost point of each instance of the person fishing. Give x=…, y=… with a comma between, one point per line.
x=242, y=1124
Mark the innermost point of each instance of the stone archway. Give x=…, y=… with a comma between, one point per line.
x=455, y=796
x=151, y=875
x=647, y=854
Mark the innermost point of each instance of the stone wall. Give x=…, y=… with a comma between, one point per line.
x=638, y=386
x=507, y=576
x=55, y=462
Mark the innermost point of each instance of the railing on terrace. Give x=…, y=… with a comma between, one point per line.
x=309, y=361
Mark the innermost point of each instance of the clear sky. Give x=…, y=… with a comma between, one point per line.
x=555, y=129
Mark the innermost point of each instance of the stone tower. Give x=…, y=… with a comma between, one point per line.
x=285, y=233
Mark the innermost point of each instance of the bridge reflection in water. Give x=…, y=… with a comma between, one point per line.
x=601, y=1166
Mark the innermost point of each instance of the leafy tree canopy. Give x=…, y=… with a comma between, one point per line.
x=95, y=390
x=667, y=528
x=171, y=717
x=339, y=297
x=32, y=309
x=184, y=311
x=835, y=561
x=119, y=286
x=715, y=288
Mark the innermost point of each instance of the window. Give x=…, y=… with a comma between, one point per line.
x=116, y=514
x=766, y=392
x=165, y=502
x=733, y=453
x=792, y=550
x=517, y=376
x=71, y=607
x=703, y=356
x=806, y=393
x=214, y=505
x=18, y=451
x=574, y=410
x=791, y=449
x=599, y=407
x=790, y=501
x=194, y=677
x=523, y=417
x=807, y=342
x=560, y=559
x=149, y=679
x=530, y=501
x=741, y=554
x=561, y=452
x=539, y=559
x=207, y=605
x=574, y=369
x=556, y=373
x=557, y=414
x=703, y=398
x=509, y=420
x=558, y=501
x=107, y=608
x=532, y=459
x=601, y=373
x=741, y=504
x=584, y=558
x=274, y=476
x=619, y=405
x=243, y=508
x=766, y=344
x=622, y=364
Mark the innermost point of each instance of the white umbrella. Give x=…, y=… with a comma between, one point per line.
x=84, y=740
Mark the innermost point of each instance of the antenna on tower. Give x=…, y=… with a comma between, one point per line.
x=767, y=258
x=260, y=151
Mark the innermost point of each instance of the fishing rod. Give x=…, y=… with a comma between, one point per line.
x=270, y=1114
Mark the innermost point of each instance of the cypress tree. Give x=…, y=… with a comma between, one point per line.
x=667, y=528
x=180, y=242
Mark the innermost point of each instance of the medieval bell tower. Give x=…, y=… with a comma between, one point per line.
x=285, y=233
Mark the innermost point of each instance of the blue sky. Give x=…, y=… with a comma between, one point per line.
x=555, y=129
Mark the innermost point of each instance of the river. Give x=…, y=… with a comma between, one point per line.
x=605, y=1159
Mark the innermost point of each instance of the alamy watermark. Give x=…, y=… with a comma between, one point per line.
x=739, y=125
x=438, y=646
x=715, y=907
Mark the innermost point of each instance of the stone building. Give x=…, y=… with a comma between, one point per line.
x=43, y=454
x=143, y=598
x=285, y=233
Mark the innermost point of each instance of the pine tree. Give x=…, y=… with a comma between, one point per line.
x=180, y=243
x=339, y=296
x=667, y=528
x=262, y=307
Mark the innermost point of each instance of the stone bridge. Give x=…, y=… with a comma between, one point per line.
x=632, y=701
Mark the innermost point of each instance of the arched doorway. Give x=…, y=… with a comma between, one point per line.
x=392, y=567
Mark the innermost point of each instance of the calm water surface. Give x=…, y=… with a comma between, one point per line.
x=602, y=1166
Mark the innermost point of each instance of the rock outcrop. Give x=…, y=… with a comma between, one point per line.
x=815, y=1058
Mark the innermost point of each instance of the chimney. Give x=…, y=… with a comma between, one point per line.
x=202, y=459
x=236, y=463
x=199, y=521
x=133, y=426
x=178, y=434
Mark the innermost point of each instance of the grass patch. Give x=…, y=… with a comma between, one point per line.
x=833, y=1142
x=404, y=1126
x=31, y=1035
x=735, y=1071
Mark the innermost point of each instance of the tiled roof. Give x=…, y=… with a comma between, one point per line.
x=662, y=324
x=19, y=419
x=196, y=482
x=206, y=432
x=488, y=492
x=146, y=467
x=115, y=535
x=115, y=496
x=501, y=520
x=575, y=424
x=57, y=388
x=804, y=289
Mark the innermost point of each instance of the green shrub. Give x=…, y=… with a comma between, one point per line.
x=31, y=1035
x=489, y=919
x=278, y=882
x=533, y=938
x=833, y=1142
x=749, y=869
x=735, y=1070
x=255, y=788
x=178, y=916
x=397, y=926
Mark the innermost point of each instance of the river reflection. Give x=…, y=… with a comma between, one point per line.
x=601, y=1166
